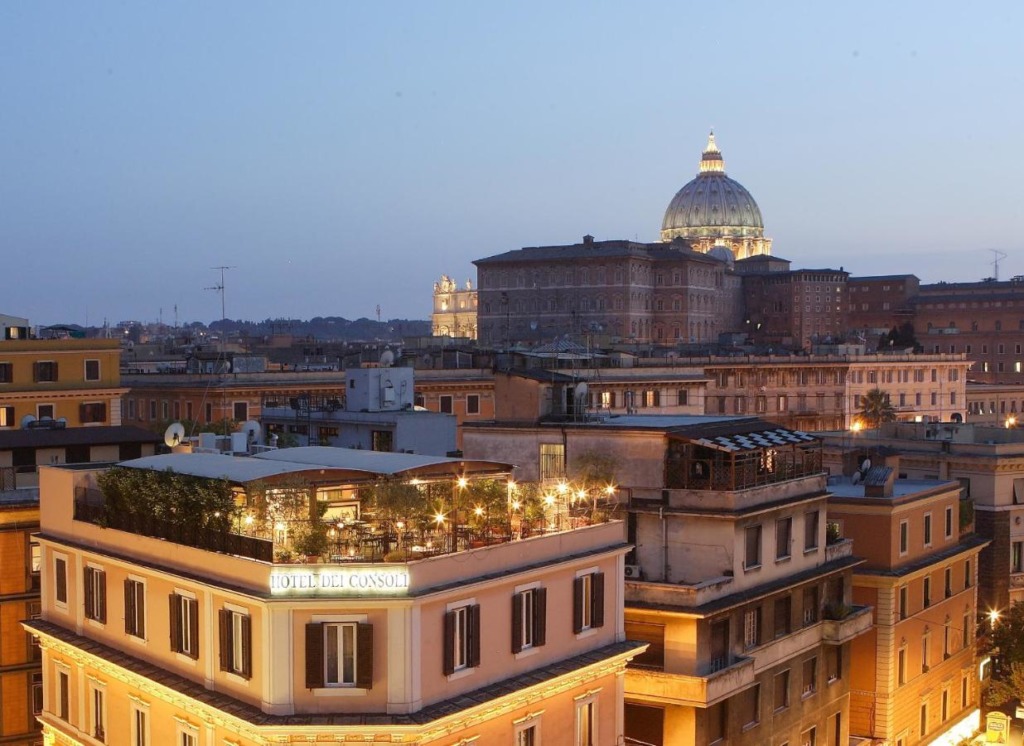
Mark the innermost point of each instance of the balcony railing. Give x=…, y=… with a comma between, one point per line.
x=200, y=538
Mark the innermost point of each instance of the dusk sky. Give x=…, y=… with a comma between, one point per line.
x=341, y=155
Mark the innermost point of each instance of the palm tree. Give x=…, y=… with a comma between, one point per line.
x=876, y=409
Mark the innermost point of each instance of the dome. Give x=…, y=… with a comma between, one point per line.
x=712, y=206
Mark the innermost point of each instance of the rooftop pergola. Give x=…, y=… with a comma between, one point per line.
x=739, y=455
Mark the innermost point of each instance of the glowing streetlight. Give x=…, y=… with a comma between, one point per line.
x=439, y=518
x=856, y=426
x=993, y=617
x=478, y=511
x=463, y=482
x=1011, y=421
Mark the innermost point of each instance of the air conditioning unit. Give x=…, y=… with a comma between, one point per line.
x=633, y=572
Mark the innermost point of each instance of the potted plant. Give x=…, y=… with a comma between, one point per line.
x=312, y=541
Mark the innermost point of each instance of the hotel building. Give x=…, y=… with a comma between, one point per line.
x=432, y=630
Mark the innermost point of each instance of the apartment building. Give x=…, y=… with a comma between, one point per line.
x=73, y=380
x=21, y=677
x=434, y=629
x=988, y=464
x=744, y=604
x=916, y=681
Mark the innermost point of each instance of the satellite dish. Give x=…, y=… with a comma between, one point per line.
x=174, y=434
x=581, y=390
x=62, y=422
x=252, y=430
x=387, y=359
x=27, y=421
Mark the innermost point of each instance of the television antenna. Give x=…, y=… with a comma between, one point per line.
x=220, y=289
x=997, y=256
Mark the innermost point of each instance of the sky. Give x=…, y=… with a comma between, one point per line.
x=339, y=155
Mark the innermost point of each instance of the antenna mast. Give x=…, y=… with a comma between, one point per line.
x=997, y=255
x=220, y=289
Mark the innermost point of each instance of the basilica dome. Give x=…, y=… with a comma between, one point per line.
x=713, y=209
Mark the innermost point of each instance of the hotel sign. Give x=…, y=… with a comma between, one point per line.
x=334, y=580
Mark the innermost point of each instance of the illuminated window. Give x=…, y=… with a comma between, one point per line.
x=135, y=608
x=588, y=601
x=461, y=638
x=338, y=654
x=184, y=625
x=586, y=723
x=529, y=618
x=95, y=594
x=236, y=642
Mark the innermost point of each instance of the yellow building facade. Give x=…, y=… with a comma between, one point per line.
x=77, y=380
x=21, y=686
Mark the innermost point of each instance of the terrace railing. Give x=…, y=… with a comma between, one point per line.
x=89, y=510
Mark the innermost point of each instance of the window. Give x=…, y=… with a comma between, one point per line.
x=63, y=693
x=923, y=725
x=752, y=543
x=529, y=619
x=240, y=411
x=552, y=461
x=96, y=595
x=926, y=592
x=901, y=667
x=140, y=725
x=949, y=521
x=91, y=412
x=716, y=722
x=783, y=537
x=92, y=370
x=44, y=371
x=834, y=663
x=188, y=735
x=7, y=417
x=964, y=691
x=783, y=615
x=35, y=563
x=472, y=404
x=44, y=411
x=925, y=640
x=810, y=605
x=904, y=603
x=98, y=713
x=236, y=644
x=60, y=584
x=338, y=654
x=751, y=714
x=810, y=676
x=35, y=693
x=752, y=627
x=588, y=602
x=184, y=625
x=445, y=404
x=6, y=373
x=461, y=638
x=781, y=696
x=904, y=537
x=208, y=411
x=586, y=723
x=967, y=574
x=810, y=531
x=528, y=735
x=949, y=581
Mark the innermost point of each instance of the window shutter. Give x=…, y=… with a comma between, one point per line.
x=35, y=372
x=247, y=646
x=175, y=625
x=61, y=568
x=364, y=656
x=597, y=614
x=193, y=630
x=88, y=592
x=449, y=643
x=314, y=655
x=129, y=608
x=517, y=622
x=540, y=616
x=54, y=369
x=101, y=576
x=226, y=643
x=473, y=659
x=577, y=605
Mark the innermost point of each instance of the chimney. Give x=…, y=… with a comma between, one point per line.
x=588, y=240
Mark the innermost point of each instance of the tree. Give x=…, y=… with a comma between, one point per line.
x=875, y=408
x=1006, y=645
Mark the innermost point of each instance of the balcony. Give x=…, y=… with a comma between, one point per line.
x=1017, y=579
x=852, y=622
x=654, y=686
x=838, y=550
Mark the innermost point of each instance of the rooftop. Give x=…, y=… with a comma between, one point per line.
x=843, y=487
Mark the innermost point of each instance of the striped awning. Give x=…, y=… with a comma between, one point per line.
x=755, y=441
